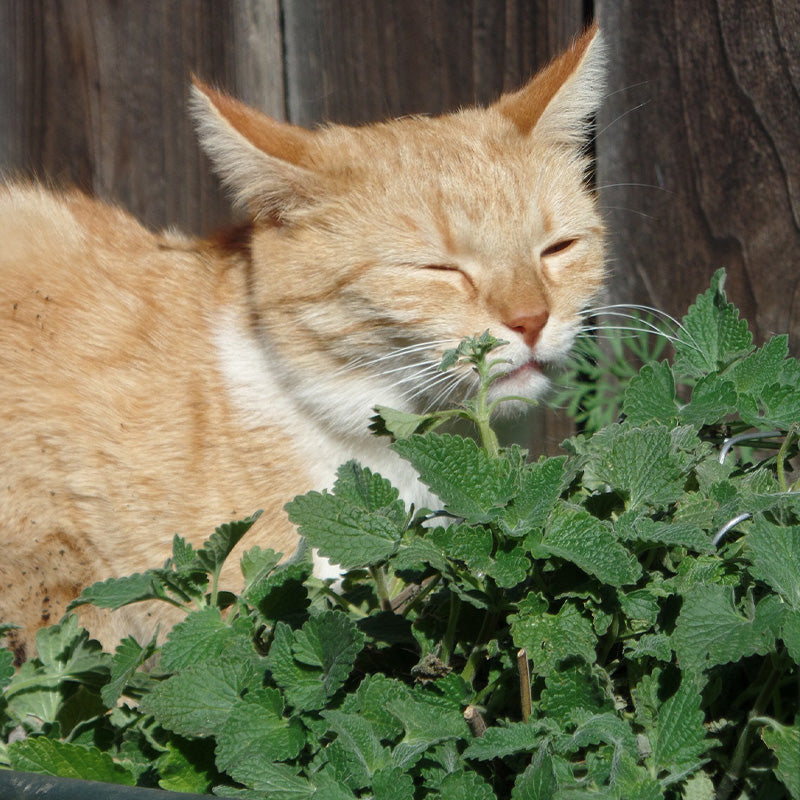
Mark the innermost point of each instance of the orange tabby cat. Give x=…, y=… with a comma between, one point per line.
x=154, y=384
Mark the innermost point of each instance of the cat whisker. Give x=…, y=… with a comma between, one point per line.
x=619, y=308
x=401, y=352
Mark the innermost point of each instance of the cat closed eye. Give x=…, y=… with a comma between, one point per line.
x=558, y=247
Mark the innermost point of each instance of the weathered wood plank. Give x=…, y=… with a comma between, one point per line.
x=355, y=60
x=698, y=154
x=94, y=95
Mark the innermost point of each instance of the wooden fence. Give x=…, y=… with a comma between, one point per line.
x=698, y=146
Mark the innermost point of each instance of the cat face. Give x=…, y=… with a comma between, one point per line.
x=377, y=248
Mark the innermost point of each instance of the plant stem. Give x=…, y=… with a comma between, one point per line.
x=450, y=633
x=487, y=626
x=524, y=683
x=738, y=763
x=379, y=576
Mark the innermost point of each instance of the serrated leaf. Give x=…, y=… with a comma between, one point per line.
x=573, y=693
x=278, y=782
x=200, y=636
x=128, y=657
x=311, y=664
x=257, y=565
x=510, y=567
x=651, y=397
x=255, y=734
x=472, y=484
x=790, y=634
x=464, y=785
x=516, y=737
x=760, y=368
x=550, y=638
x=713, y=398
x=356, y=753
x=679, y=738
x=402, y=424
x=580, y=538
x=711, y=335
x=114, y=593
x=50, y=757
x=538, y=781
x=364, y=488
x=774, y=553
x=198, y=700
x=784, y=741
x=392, y=784
x=635, y=528
x=710, y=630
x=6, y=667
x=540, y=487
x=654, y=645
x=219, y=545
x=640, y=463
x=180, y=770
x=65, y=649
x=345, y=533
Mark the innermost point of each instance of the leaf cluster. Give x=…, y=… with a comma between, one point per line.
x=621, y=621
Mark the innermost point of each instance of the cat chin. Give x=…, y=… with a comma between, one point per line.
x=527, y=381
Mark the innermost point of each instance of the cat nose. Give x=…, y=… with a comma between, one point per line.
x=529, y=326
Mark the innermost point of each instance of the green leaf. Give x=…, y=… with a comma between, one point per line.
x=348, y=534
x=6, y=667
x=255, y=734
x=184, y=767
x=356, y=753
x=402, y=424
x=712, y=336
x=540, y=487
x=312, y=664
x=651, y=397
x=200, y=636
x=219, y=545
x=790, y=633
x=573, y=693
x=774, y=552
x=515, y=737
x=128, y=657
x=679, y=738
x=538, y=781
x=472, y=484
x=580, y=538
x=364, y=488
x=640, y=463
x=392, y=784
x=114, y=593
x=784, y=741
x=50, y=757
x=464, y=785
x=760, y=368
x=712, y=399
x=257, y=565
x=198, y=700
x=550, y=638
x=710, y=630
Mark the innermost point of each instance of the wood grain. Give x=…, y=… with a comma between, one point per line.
x=698, y=154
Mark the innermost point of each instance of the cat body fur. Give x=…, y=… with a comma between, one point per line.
x=154, y=384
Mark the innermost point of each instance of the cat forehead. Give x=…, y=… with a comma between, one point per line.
x=448, y=141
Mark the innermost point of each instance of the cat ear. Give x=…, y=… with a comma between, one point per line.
x=558, y=100
x=259, y=158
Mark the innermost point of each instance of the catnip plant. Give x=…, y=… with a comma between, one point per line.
x=620, y=621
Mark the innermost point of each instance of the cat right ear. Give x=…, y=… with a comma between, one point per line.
x=259, y=158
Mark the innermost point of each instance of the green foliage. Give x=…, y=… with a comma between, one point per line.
x=575, y=627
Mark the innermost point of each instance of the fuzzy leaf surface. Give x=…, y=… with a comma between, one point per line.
x=576, y=536
x=51, y=757
x=471, y=483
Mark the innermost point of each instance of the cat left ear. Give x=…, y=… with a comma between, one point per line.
x=558, y=100
x=261, y=159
